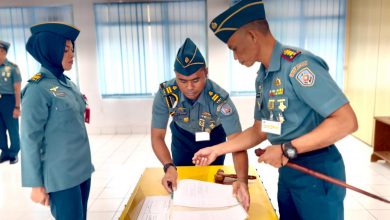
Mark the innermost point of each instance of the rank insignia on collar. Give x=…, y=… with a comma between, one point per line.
x=290, y=54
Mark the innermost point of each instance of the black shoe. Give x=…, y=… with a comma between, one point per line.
x=13, y=160
x=3, y=159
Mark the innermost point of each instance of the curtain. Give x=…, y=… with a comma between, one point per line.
x=314, y=25
x=15, y=23
x=137, y=43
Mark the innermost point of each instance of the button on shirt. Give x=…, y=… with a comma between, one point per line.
x=299, y=93
x=9, y=75
x=202, y=115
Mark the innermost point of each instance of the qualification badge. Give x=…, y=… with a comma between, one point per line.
x=282, y=106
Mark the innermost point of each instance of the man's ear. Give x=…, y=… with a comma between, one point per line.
x=252, y=35
x=206, y=71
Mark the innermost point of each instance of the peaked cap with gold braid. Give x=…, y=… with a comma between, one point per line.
x=188, y=58
x=5, y=45
x=242, y=13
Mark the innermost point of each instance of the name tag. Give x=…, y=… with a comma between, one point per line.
x=202, y=136
x=272, y=127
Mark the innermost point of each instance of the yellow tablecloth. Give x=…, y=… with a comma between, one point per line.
x=150, y=184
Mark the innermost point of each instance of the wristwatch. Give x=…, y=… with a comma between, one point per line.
x=167, y=165
x=289, y=150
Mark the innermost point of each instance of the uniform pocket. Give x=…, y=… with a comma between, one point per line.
x=62, y=105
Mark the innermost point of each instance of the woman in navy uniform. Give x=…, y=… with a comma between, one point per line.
x=10, y=83
x=56, y=156
x=299, y=109
x=202, y=115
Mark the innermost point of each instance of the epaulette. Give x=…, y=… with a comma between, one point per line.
x=170, y=93
x=36, y=78
x=13, y=64
x=216, y=97
x=289, y=54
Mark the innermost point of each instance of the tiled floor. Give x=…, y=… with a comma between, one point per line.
x=120, y=159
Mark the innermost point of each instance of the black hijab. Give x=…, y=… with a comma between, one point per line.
x=48, y=49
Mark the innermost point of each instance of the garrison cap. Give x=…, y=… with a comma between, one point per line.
x=188, y=58
x=242, y=13
x=67, y=31
x=4, y=45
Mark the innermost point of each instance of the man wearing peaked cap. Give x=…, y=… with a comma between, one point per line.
x=56, y=156
x=299, y=109
x=202, y=115
x=10, y=84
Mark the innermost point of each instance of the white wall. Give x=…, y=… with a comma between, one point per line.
x=132, y=115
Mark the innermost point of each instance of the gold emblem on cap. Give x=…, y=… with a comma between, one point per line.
x=186, y=59
x=214, y=25
x=186, y=119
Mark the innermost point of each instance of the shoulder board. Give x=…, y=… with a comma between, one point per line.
x=36, y=78
x=170, y=93
x=289, y=54
x=215, y=97
x=166, y=89
x=13, y=64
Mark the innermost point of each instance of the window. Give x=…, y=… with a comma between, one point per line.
x=137, y=43
x=315, y=25
x=15, y=23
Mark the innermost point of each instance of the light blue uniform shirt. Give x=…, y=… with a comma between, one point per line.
x=54, y=142
x=211, y=109
x=9, y=75
x=297, y=91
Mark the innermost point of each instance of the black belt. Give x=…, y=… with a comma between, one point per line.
x=3, y=95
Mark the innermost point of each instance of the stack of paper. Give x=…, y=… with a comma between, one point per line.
x=194, y=200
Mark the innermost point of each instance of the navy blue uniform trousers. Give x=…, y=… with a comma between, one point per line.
x=71, y=204
x=302, y=196
x=8, y=122
x=184, y=146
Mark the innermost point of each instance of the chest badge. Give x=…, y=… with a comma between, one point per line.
x=277, y=82
x=282, y=106
x=55, y=92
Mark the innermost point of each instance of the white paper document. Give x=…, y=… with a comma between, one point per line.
x=155, y=208
x=200, y=194
x=231, y=213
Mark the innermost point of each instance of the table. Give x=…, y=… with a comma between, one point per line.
x=150, y=184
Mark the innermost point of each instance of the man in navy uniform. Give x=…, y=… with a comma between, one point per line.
x=299, y=109
x=202, y=115
x=10, y=83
